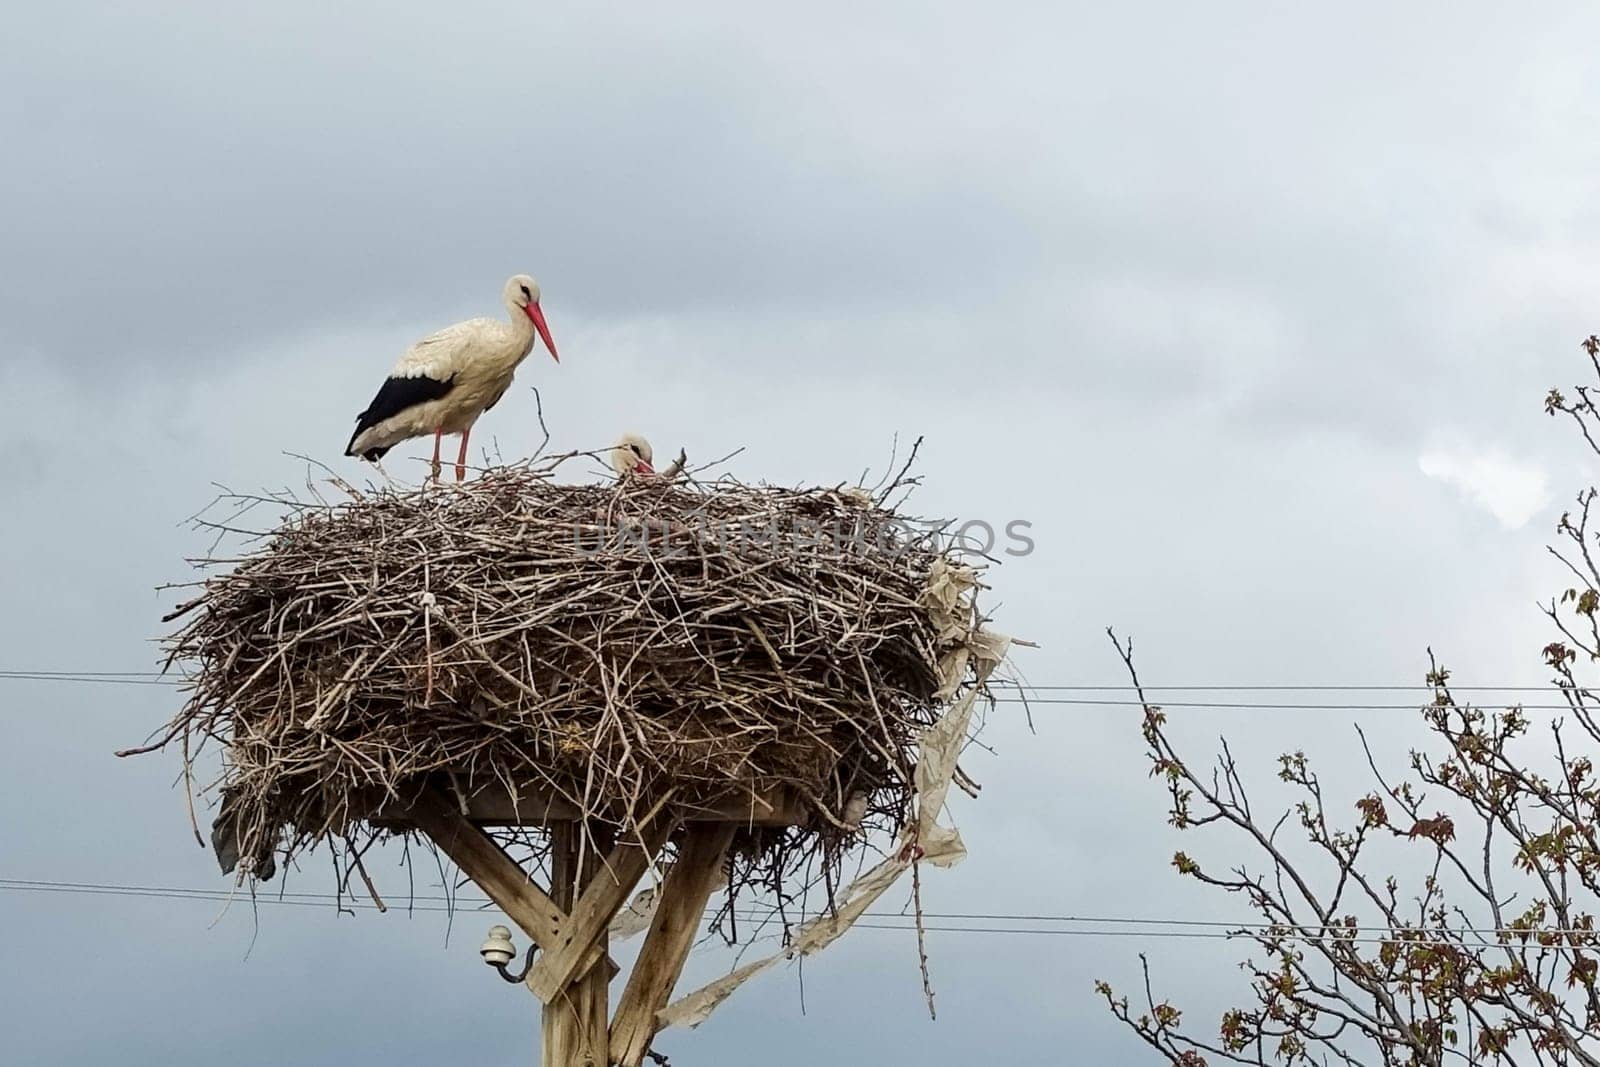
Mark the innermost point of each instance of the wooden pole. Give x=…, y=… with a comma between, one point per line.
x=574, y=1019
x=590, y=882
x=684, y=894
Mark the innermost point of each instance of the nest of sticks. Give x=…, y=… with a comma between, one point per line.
x=617, y=646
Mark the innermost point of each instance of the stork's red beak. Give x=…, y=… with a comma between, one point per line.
x=532, y=308
x=643, y=468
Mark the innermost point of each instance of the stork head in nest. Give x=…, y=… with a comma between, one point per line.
x=632, y=455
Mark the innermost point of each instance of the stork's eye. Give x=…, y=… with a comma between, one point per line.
x=637, y=450
x=526, y=295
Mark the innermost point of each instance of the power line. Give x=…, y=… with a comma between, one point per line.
x=103, y=677
x=166, y=678
x=82, y=674
x=108, y=678
x=1309, y=687
x=1246, y=705
x=1099, y=925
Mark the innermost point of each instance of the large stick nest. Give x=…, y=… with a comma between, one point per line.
x=620, y=646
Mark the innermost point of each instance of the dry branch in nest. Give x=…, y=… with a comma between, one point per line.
x=621, y=648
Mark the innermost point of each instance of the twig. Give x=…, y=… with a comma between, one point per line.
x=372, y=890
x=922, y=936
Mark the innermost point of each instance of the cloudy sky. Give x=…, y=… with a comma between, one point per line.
x=1248, y=309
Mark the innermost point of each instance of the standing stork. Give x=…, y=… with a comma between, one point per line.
x=446, y=380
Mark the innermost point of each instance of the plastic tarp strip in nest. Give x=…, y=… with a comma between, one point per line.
x=924, y=842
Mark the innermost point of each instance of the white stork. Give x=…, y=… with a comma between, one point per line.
x=446, y=380
x=632, y=455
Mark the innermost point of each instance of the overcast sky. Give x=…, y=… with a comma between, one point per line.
x=1248, y=309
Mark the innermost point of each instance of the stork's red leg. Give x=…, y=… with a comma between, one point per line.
x=461, y=459
x=438, y=435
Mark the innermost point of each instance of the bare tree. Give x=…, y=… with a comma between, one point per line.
x=1447, y=915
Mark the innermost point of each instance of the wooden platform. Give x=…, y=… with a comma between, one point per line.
x=496, y=806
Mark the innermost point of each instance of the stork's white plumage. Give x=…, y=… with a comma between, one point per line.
x=632, y=455
x=446, y=380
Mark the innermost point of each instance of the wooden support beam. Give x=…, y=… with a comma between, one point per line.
x=497, y=874
x=688, y=887
x=609, y=888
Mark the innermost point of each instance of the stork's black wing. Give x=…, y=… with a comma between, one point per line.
x=396, y=395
